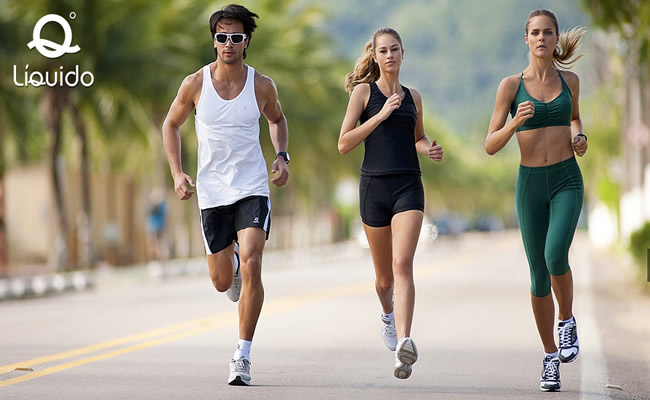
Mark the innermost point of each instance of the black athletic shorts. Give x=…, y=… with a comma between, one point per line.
x=381, y=197
x=221, y=224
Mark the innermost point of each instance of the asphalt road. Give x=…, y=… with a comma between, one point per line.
x=136, y=337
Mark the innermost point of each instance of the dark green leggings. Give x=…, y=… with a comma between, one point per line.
x=549, y=200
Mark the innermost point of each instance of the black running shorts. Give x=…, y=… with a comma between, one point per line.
x=221, y=224
x=381, y=197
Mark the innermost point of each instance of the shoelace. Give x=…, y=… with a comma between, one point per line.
x=242, y=365
x=566, y=334
x=551, y=370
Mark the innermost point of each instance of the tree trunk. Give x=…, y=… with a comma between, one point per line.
x=54, y=102
x=85, y=225
x=632, y=145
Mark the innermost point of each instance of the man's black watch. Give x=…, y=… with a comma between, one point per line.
x=284, y=155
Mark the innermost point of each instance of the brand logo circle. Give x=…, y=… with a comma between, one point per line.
x=47, y=48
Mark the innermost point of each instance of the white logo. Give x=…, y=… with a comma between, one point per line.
x=48, y=48
x=256, y=220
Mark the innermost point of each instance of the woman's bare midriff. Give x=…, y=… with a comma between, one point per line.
x=545, y=146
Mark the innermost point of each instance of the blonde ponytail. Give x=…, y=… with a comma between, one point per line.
x=566, y=52
x=366, y=69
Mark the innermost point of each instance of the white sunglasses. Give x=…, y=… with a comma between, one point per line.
x=235, y=38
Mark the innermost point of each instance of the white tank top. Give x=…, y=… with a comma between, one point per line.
x=231, y=165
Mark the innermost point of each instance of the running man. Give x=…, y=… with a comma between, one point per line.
x=232, y=186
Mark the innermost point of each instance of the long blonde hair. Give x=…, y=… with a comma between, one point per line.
x=366, y=69
x=566, y=52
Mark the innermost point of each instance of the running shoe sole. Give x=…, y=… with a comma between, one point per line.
x=550, y=386
x=407, y=355
x=238, y=381
x=402, y=371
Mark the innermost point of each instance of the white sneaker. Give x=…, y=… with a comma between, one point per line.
x=388, y=333
x=234, y=290
x=406, y=355
x=240, y=372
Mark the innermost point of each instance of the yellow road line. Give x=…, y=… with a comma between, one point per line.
x=187, y=329
x=108, y=344
x=183, y=330
x=104, y=356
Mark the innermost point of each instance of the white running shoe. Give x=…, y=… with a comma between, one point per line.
x=234, y=290
x=406, y=355
x=388, y=333
x=568, y=335
x=240, y=372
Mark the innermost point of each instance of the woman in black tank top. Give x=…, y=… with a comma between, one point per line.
x=391, y=192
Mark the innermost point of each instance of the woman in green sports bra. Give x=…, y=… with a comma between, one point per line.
x=543, y=102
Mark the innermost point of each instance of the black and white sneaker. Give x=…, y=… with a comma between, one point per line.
x=568, y=336
x=240, y=372
x=550, y=379
x=234, y=290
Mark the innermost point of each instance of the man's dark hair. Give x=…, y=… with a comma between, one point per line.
x=240, y=13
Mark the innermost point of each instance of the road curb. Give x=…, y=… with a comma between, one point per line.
x=25, y=287
x=45, y=285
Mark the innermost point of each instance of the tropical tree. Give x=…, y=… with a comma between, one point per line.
x=16, y=124
x=630, y=19
x=303, y=61
x=123, y=47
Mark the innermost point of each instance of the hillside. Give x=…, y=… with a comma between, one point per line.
x=456, y=51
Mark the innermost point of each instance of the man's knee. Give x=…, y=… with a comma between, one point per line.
x=251, y=269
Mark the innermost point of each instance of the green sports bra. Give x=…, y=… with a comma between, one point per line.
x=556, y=112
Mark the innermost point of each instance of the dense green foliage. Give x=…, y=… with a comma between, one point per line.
x=631, y=18
x=457, y=51
x=639, y=245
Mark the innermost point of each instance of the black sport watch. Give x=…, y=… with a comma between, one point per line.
x=283, y=154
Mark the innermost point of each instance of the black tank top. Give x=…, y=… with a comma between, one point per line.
x=390, y=148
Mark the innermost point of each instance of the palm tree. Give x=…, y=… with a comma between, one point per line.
x=15, y=121
x=121, y=45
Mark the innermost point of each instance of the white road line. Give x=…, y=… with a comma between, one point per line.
x=593, y=373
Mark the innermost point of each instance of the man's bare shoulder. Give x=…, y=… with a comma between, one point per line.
x=193, y=82
x=264, y=84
